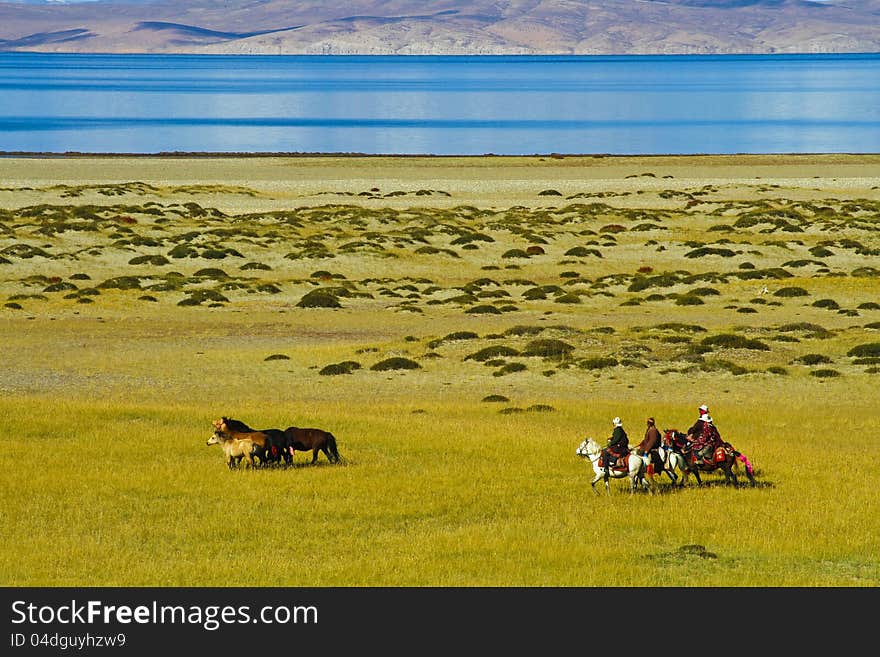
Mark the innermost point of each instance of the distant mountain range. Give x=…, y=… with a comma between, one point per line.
x=456, y=27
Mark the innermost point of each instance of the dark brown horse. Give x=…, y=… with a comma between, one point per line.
x=316, y=440
x=723, y=458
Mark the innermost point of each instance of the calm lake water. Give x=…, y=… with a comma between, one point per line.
x=440, y=105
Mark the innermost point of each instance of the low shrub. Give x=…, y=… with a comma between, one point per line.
x=733, y=341
x=789, y=292
x=395, y=363
x=812, y=359
x=551, y=348
x=825, y=374
x=483, y=309
x=319, y=299
x=495, y=351
x=597, y=363
x=345, y=367
x=510, y=368
x=865, y=350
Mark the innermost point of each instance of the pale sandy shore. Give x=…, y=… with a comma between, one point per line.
x=276, y=181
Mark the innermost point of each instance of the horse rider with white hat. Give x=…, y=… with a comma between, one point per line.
x=617, y=446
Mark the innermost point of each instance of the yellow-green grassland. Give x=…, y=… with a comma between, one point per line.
x=460, y=325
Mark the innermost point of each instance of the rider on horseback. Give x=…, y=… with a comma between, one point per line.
x=618, y=445
x=704, y=435
x=650, y=443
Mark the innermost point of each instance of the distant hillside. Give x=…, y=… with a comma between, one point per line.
x=443, y=26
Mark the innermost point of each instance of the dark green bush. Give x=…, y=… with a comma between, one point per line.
x=510, y=368
x=568, y=298
x=319, y=299
x=484, y=309
x=395, y=363
x=198, y=297
x=525, y=330
x=708, y=251
x=789, y=292
x=825, y=374
x=121, y=283
x=255, y=265
x=495, y=351
x=865, y=350
x=213, y=273
x=733, y=341
x=597, y=363
x=812, y=359
x=550, y=348
x=345, y=367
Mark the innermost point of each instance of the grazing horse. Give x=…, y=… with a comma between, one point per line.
x=635, y=467
x=724, y=458
x=235, y=449
x=316, y=440
x=277, y=447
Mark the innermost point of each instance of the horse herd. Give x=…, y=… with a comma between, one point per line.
x=269, y=446
x=674, y=454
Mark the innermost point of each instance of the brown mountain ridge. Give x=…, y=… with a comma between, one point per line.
x=454, y=27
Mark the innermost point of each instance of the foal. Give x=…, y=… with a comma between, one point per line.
x=235, y=448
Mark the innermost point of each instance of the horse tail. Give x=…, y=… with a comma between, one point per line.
x=331, y=445
x=746, y=462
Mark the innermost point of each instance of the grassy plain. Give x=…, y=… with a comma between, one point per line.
x=141, y=298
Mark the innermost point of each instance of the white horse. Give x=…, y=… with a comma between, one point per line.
x=637, y=467
x=673, y=461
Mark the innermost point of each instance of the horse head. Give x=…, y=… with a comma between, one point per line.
x=588, y=447
x=216, y=438
x=229, y=424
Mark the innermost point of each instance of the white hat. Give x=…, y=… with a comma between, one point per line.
x=704, y=409
x=616, y=422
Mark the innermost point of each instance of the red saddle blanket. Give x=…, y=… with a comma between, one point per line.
x=718, y=456
x=621, y=464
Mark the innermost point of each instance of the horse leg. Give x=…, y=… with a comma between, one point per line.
x=315, y=455
x=733, y=477
x=594, y=482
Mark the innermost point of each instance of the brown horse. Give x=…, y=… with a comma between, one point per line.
x=277, y=446
x=316, y=440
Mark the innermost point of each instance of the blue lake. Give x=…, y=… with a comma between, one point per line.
x=440, y=105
